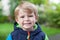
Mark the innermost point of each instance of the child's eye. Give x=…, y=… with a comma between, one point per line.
x=30, y=16
x=22, y=17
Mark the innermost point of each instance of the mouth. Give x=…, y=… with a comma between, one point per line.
x=27, y=23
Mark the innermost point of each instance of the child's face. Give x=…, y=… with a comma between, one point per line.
x=26, y=20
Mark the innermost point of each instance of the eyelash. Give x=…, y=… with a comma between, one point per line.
x=28, y=16
x=22, y=17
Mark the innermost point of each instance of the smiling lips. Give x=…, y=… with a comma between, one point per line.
x=27, y=23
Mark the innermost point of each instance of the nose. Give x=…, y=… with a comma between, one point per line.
x=26, y=18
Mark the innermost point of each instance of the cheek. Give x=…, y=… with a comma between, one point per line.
x=33, y=20
x=20, y=22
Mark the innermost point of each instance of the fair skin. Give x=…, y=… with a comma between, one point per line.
x=26, y=20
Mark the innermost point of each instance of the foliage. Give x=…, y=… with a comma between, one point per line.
x=35, y=1
x=13, y=5
x=38, y=2
x=41, y=15
x=0, y=12
x=3, y=19
x=41, y=18
x=53, y=17
x=50, y=16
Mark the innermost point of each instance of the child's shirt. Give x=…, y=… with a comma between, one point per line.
x=19, y=34
x=10, y=37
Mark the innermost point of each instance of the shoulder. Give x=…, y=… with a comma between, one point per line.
x=43, y=35
x=15, y=32
x=46, y=37
x=9, y=37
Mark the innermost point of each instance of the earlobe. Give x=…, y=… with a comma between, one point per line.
x=16, y=20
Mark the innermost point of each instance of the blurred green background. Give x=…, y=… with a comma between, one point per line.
x=48, y=12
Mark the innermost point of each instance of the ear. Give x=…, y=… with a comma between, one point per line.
x=16, y=20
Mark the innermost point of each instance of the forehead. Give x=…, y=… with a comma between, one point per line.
x=25, y=11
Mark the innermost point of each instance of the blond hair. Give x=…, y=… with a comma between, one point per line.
x=26, y=6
